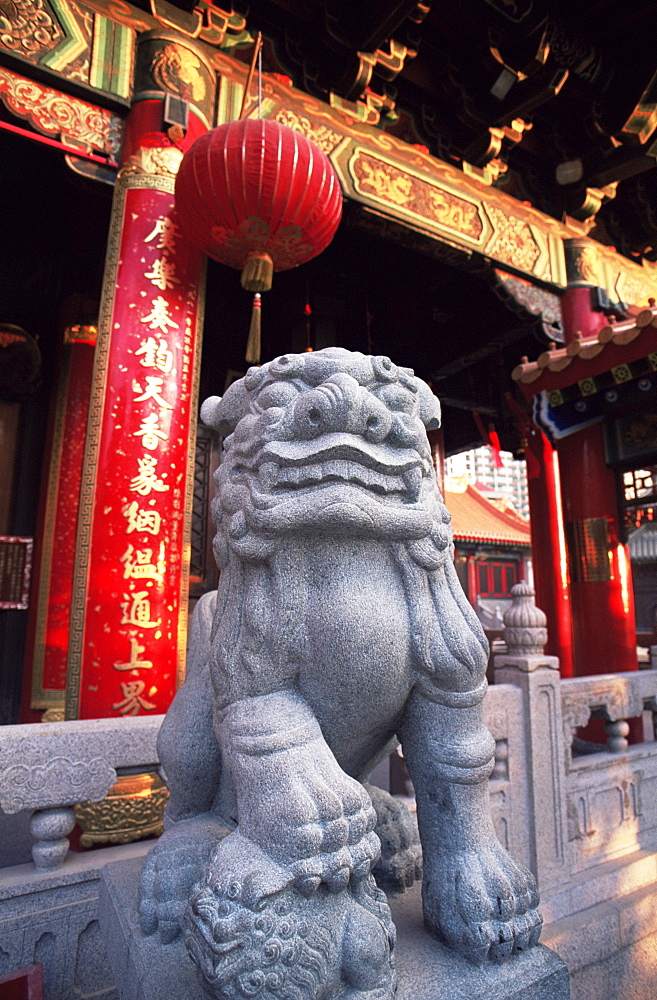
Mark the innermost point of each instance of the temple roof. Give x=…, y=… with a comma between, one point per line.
x=620, y=343
x=477, y=519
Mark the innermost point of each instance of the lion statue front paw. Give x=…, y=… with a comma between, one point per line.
x=482, y=903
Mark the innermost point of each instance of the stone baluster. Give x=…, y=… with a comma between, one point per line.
x=50, y=829
x=617, y=733
x=525, y=666
x=500, y=771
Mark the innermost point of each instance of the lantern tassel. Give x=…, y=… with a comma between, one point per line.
x=253, y=343
x=258, y=272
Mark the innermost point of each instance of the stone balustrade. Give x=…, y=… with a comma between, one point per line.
x=611, y=697
x=51, y=767
x=586, y=825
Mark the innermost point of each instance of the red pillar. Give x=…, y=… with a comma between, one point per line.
x=47, y=646
x=129, y=602
x=604, y=635
x=472, y=579
x=548, y=547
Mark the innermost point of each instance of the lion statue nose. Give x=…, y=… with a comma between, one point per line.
x=341, y=404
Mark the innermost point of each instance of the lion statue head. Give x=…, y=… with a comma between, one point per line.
x=319, y=447
x=328, y=442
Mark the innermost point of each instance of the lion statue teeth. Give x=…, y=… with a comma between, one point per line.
x=338, y=628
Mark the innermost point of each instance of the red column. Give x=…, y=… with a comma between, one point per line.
x=577, y=312
x=600, y=576
x=472, y=579
x=47, y=647
x=604, y=637
x=129, y=603
x=549, y=547
x=577, y=315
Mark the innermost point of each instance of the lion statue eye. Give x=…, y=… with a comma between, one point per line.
x=396, y=398
x=276, y=394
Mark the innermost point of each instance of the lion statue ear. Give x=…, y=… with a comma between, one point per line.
x=224, y=412
x=429, y=407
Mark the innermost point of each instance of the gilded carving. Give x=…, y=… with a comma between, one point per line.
x=53, y=715
x=581, y=262
x=28, y=28
x=55, y=35
x=55, y=113
x=324, y=137
x=513, y=242
x=158, y=161
x=390, y=185
x=166, y=63
x=177, y=70
x=629, y=287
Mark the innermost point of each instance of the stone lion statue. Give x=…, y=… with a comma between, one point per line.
x=338, y=628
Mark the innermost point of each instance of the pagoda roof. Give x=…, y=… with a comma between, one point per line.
x=477, y=519
x=616, y=344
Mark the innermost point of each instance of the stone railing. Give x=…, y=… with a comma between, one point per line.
x=586, y=825
x=51, y=767
x=613, y=698
x=611, y=805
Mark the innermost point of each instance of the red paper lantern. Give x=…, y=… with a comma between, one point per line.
x=258, y=196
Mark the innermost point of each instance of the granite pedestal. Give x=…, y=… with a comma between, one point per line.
x=146, y=970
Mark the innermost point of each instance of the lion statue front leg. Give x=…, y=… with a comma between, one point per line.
x=293, y=799
x=475, y=897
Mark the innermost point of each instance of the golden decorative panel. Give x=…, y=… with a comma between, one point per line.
x=383, y=183
x=56, y=114
x=589, y=550
x=324, y=137
x=513, y=242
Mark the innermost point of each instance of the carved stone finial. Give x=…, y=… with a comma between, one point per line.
x=524, y=624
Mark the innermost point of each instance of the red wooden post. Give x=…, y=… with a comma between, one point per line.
x=472, y=579
x=45, y=662
x=128, y=622
x=549, y=548
x=600, y=575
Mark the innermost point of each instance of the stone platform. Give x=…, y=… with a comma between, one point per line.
x=145, y=970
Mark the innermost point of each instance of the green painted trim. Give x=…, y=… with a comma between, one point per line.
x=70, y=47
x=122, y=59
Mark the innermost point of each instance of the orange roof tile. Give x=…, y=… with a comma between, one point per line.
x=474, y=518
x=589, y=356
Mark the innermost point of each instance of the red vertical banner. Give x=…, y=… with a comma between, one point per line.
x=56, y=553
x=128, y=627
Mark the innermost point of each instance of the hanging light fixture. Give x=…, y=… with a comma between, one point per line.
x=260, y=197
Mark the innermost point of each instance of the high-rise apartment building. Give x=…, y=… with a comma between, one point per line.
x=509, y=482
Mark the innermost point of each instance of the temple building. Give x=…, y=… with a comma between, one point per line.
x=492, y=549
x=503, y=477
x=496, y=162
